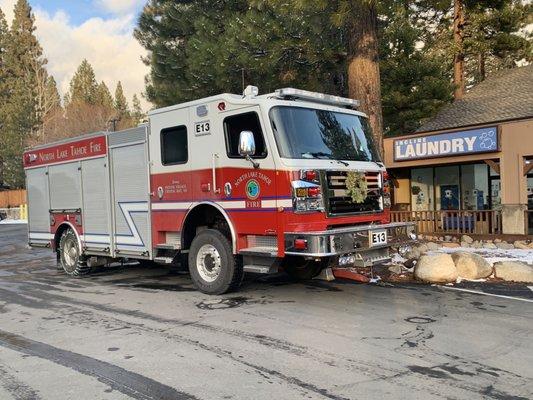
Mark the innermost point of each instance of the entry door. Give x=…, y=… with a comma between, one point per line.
x=130, y=200
x=250, y=192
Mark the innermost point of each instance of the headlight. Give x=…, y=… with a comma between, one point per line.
x=307, y=196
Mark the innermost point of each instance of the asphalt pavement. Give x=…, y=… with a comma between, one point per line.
x=145, y=333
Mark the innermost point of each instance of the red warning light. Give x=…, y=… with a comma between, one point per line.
x=221, y=106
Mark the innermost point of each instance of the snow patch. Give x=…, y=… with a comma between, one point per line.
x=13, y=221
x=492, y=255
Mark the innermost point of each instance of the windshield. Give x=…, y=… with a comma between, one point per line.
x=311, y=133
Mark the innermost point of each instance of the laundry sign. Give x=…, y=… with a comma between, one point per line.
x=458, y=143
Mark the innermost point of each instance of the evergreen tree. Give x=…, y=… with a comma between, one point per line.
x=496, y=36
x=415, y=84
x=121, y=104
x=52, y=94
x=137, y=112
x=23, y=63
x=103, y=96
x=4, y=93
x=83, y=86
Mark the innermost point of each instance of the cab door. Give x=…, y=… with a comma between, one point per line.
x=248, y=193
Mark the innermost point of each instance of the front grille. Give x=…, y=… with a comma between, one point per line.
x=339, y=203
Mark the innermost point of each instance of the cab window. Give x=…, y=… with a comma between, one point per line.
x=174, y=147
x=234, y=125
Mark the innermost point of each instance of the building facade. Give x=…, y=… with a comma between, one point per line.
x=470, y=169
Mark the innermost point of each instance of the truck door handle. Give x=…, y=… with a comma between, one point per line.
x=214, y=170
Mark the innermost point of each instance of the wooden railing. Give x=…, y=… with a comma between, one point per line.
x=461, y=221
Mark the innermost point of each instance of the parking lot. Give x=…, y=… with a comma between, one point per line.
x=132, y=332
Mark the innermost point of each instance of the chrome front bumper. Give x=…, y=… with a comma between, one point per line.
x=353, y=239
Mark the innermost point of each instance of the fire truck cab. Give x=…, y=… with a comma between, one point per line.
x=228, y=184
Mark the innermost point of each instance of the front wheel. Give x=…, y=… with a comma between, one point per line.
x=70, y=257
x=213, y=267
x=300, y=269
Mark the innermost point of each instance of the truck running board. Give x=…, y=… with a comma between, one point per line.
x=164, y=260
x=261, y=269
x=260, y=251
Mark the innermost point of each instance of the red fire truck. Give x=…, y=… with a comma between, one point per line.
x=229, y=184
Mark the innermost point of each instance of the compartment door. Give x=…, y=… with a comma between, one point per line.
x=38, y=207
x=129, y=186
x=96, y=204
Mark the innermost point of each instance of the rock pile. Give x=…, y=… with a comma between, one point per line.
x=446, y=268
x=469, y=242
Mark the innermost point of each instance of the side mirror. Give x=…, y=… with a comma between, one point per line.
x=246, y=144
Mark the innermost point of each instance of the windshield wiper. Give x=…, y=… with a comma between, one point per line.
x=321, y=155
x=341, y=162
x=318, y=154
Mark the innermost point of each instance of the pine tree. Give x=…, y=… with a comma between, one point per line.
x=83, y=86
x=23, y=62
x=496, y=36
x=137, y=112
x=52, y=94
x=415, y=84
x=4, y=93
x=121, y=104
x=103, y=96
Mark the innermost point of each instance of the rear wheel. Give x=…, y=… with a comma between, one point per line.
x=70, y=257
x=213, y=267
x=298, y=268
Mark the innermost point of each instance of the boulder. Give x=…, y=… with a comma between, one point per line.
x=521, y=244
x=422, y=248
x=513, y=271
x=448, y=238
x=489, y=246
x=497, y=240
x=467, y=239
x=432, y=246
x=451, y=245
x=477, y=244
x=465, y=244
x=414, y=253
x=436, y=268
x=471, y=265
x=504, y=246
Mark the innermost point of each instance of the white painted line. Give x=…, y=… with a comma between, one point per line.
x=487, y=294
x=530, y=288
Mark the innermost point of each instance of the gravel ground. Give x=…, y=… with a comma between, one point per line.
x=132, y=332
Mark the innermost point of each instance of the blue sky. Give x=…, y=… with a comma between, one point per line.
x=78, y=10
x=81, y=10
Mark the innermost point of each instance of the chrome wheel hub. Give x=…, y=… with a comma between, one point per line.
x=70, y=254
x=208, y=263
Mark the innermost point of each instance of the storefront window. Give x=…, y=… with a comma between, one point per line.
x=422, y=189
x=495, y=190
x=475, y=187
x=447, y=188
x=457, y=187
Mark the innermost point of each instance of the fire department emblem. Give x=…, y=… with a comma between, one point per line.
x=252, y=189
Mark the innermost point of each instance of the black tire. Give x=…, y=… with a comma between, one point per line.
x=213, y=267
x=300, y=269
x=70, y=257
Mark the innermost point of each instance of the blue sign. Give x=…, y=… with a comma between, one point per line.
x=459, y=143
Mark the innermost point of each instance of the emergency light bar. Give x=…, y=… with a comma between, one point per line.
x=316, y=97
